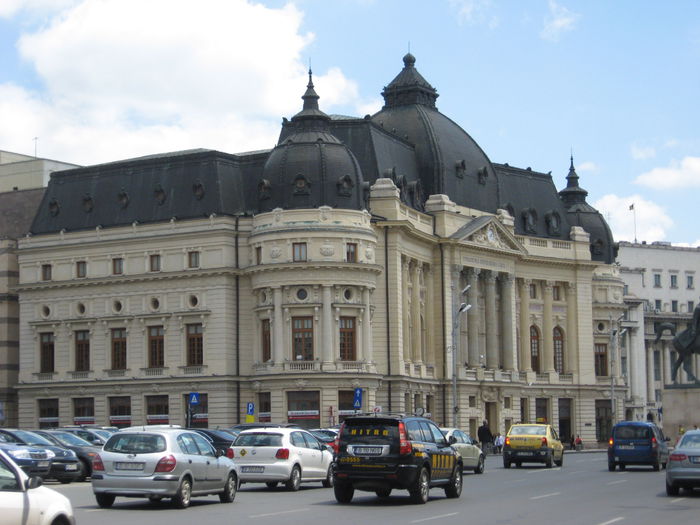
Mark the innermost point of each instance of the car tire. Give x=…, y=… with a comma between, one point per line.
x=271, y=484
x=480, y=466
x=64, y=481
x=420, y=490
x=182, y=497
x=611, y=467
x=672, y=490
x=343, y=492
x=84, y=471
x=560, y=462
x=294, y=481
x=383, y=493
x=230, y=489
x=104, y=500
x=454, y=488
x=506, y=463
x=548, y=462
x=328, y=482
x=518, y=464
x=623, y=466
x=655, y=465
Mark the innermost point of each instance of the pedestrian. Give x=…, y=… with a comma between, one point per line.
x=572, y=442
x=498, y=442
x=485, y=437
x=579, y=443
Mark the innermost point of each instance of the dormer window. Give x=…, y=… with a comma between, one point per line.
x=302, y=186
x=345, y=186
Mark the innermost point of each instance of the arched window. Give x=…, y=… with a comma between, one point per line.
x=535, y=348
x=558, y=337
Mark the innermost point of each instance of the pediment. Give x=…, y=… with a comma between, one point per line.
x=488, y=232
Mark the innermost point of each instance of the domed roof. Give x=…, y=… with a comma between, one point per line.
x=310, y=167
x=450, y=161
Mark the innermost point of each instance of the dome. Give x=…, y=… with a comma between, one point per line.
x=310, y=167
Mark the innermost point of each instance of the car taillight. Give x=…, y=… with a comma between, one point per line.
x=166, y=464
x=677, y=457
x=544, y=442
x=405, y=446
x=97, y=463
x=282, y=453
x=335, y=445
x=230, y=454
x=507, y=441
x=611, y=442
x=654, y=444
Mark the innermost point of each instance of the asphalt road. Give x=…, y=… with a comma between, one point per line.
x=581, y=492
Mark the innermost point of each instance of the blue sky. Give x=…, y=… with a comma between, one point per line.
x=616, y=82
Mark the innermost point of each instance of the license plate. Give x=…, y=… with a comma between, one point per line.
x=367, y=451
x=695, y=459
x=626, y=447
x=42, y=464
x=121, y=465
x=71, y=466
x=253, y=470
x=525, y=453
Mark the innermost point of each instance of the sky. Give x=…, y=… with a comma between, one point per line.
x=616, y=84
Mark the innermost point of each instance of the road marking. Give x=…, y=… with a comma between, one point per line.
x=100, y=510
x=616, y=482
x=575, y=471
x=435, y=517
x=546, y=495
x=276, y=513
x=544, y=470
x=612, y=521
x=677, y=500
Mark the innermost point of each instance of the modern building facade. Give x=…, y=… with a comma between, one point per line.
x=337, y=261
x=22, y=172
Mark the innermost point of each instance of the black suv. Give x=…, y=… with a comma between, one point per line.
x=379, y=453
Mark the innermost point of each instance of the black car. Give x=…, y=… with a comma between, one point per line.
x=84, y=450
x=220, y=439
x=96, y=436
x=379, y=453
x=65, y=465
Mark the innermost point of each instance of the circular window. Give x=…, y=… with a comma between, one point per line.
x=601, y=327
x=45, y=311
x=193, y=300
x=117, y=306
x=81, y=308
x=302, y=294
x=347, y=294
x=155, y=303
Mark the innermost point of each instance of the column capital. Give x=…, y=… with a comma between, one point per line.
x=506, y=278
x=525, y=281
x=473, y=272
x=547, y=286
x=571, y=287
x=491, y=276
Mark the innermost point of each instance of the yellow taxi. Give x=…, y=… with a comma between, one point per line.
x=532, y=443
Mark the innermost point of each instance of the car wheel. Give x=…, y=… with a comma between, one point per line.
x=548, y=462
x=343, y=492
x=230, y=488
x=383, y=493
x=518, y=464
x=64, y=481
x=560, y=462
x=611, y=467
x=480, y=466
x=84, y=471
x=184, y=494
x=672, y=490
x=623, y=466
x=655, y=465
x=421, y=487
x=328, y=482
x=104, y=500
x=506, y=463
x=271, y=484
x=663, y=465
x=294, y=480
x=454, y=488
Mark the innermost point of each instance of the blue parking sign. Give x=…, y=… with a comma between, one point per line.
x=251, y=409
x=357, y=400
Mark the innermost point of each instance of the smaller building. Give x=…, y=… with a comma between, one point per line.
x=21, y=172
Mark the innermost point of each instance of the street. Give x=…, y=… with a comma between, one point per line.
x=581, y=492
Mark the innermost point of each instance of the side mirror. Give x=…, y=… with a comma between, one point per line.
x=97, y=442
x=453, y=440
x=34, y=482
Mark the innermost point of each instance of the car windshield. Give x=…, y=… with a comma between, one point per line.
x=690, y=441
x=135, y=443
x=370, y=431
x=105, y=434
x=71, y=439
x=220, y=434
x=30, y=438
x=632, y=432
x=532, y=430
x=258, y=439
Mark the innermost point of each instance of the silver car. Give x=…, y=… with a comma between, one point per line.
x=683, y=467
x=162, y=463
x=472, y=456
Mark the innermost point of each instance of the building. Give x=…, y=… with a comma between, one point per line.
x=336, y=261
x=21, y=172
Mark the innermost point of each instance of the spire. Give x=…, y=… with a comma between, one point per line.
x=409, y=87
x=310, y=110
x=572, y=177
x=573, y=193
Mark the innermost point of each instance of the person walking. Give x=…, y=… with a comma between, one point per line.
x=485, y=437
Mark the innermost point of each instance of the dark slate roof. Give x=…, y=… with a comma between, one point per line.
x=17, y=209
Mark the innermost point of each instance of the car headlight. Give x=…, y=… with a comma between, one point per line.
x=71, y=453
x=20, y=453
x=50, y=453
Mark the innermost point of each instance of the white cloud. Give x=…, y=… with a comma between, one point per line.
x=9, y=8
x=642, y=152
x=472, y=12
x=651, y=220
x=559, y=20
x=219, y=75
x=588, y=166
x=683, y=174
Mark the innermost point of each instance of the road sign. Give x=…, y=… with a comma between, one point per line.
x=251, y=409
x=194, y=398
x=357, y=401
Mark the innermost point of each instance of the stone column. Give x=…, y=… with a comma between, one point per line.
x=277, y=326
x=365, y=350
x=406, y=312
x=416, y=346
x=429, y=291
x=507, y=328
x=327, y=352
x=650, y=373
x=547, y=330
x=473, y=318
x=571, y=341
x=667, y=360
x=492, y=360
x=525, y=361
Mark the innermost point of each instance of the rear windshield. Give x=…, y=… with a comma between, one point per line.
x=690, y=441
x=135, y=443
x=258, y=439
x=367, y=431
x=528, y=431
x=632, y=432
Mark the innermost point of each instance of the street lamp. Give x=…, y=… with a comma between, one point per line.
x=615, y=334
x=455, y=325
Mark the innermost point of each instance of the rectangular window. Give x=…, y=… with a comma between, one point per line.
x=601, y=359
x=626, y=289
x=154, y=262
x=303, y=408
x=117, y=266
x=265, y=337
x=258, y=255
x=156, y=347
x=674, y=281
x=691, y=306
x=299, y=251
x=80, y=269
x=533, y=291
x=302, y=338
x=193, y=259
x=657, y=365
x=48, y=413
x=120, y=411
x=264, y=407
x=46, y=359
x=45, y=272
x=83, y=410
x=351, y=252
x=195, y=345
x=199, y=413
x=674, y=306
x=657, y=304
x=347, y=339
x=118, y=348
x=657, y=280
x=689, y=282
x=82, y=350
x=157, y=410
x=556, y=293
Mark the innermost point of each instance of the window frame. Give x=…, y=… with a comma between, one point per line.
x=265, y=340
x=156, y=346
x=154, y=262
x=117, y=266
x=303, y=338
x=118, y=348
x=558, y=349
x=195, y=344
x=193, y=259
x=80, y=269
x=82, y=350
x=351, y=252
x=47, y=353
x=46, y=272
x=535, y=349
x=299, y=252
x=600, y=359
x=347, y=338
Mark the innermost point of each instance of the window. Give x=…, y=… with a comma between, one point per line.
x=558, y=337
x=601, y=359
x=674, y=281
x=299, y=251
x=346, y=404
x=347, y=339
x=689, y=282
x=120, y=411
x=46, y=358
x=351, y=252
x=156, y=347
x=533, y=291
x=626, y=289
x=556, y=293
x=265, y=338
x=83, y=410
x=199, y=413
x=118, y=348
x=82, y=350
x=154, y=262
x=80, y=269
x=45, y=272
x=157, y=410
x=264, y=406
x=117, y=266
x=193, y=259
x=195, y=345
x=657, y=280
x=657, y=365
x=691, y=306
x=258, y=255
x=302, y=338
x=657, y=304
x=674, y=306
x=535, y=348
x=48, y=413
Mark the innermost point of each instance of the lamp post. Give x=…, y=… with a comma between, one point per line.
x=615, y=333
x=455, y=325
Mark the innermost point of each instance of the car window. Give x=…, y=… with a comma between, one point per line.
x=531, y=430
x=71, y=439
x=554, y=433
x=30, y=438
x=414, y=431
x=463, y=437
x=373, y=431
x=311, y=442
x=187, y=444
x=258, y=439
x=4, y=438
x=690, y=441
x=427, y=433
x=135, y=443
x=297, y=439
x=438, y=436
x=632, y=432
x=204, y=446
x=8, y=477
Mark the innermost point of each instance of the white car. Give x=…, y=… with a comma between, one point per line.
x=23, y=499
x=472, y=456
x=288, y=455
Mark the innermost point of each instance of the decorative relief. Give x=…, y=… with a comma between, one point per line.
x=327, y=250
x=275, y=252
x=369, y=253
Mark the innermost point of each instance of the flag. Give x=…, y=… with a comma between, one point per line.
x=632, y=206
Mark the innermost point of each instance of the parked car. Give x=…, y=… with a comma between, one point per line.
x=323, y=437
x=246, y=426
x=383, y=452
x=220, y=439
x=96, y=436
x=65, y=465
x=85, y=451
x=637, y=443
x=23, y=499
x=473, y=458
x=532, y=443
x=683, y=468
x=162, y=463
x=33, y=461
x=288, y=455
